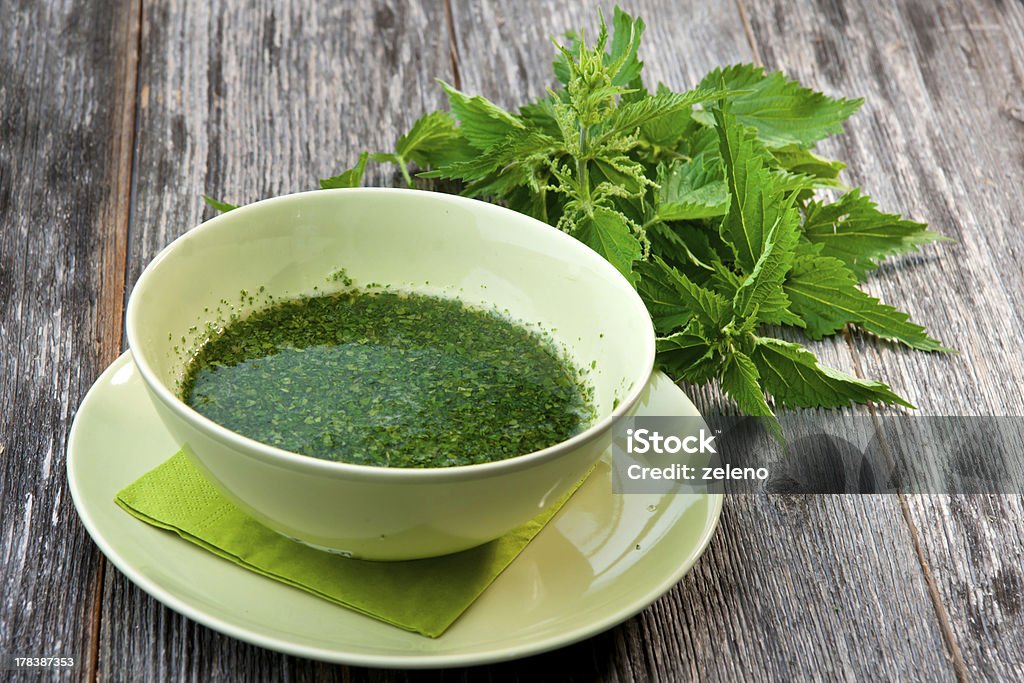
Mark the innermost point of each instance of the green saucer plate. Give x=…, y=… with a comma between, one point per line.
x=602, y=559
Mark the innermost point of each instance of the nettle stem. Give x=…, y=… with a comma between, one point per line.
x=654, y=221
x=405, y=173
x=583, y=171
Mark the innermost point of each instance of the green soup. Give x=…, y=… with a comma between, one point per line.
x=395, y=380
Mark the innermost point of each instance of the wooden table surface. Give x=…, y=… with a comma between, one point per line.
x=115, y=116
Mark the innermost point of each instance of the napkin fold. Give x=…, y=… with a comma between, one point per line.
x=423, y=596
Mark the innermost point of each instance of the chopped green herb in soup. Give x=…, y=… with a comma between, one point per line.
x=396, y=380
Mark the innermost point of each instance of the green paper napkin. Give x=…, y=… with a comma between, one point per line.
x=424, y=596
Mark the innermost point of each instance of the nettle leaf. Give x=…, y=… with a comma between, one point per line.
x=223, y=207
x=353, y=177
x=793, y=377
x=796, y=184
x=774, y=310
x=824, y=293
x=682, y=244
x=805, y=162
x=506, y=165
x=761, y=293
x=668, y=311
x=540, y=115
x=690, y=190
x=702, y=140
x=674, y=299
x=781, y=110
x=630, y=116
x=854, y=231
x=434, y=141
x=608, y=233
x=724, y=281
x=741, y=380
x=573, y=45
x=666, y=130
x=481, y=121
x=626, y=34
x=623, y=51
x=756, y=203
x=687, y=356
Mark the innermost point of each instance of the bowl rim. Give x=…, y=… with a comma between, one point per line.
x=267, y=453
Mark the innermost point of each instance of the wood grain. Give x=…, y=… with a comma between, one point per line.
x=66, y=111
x=940, y=138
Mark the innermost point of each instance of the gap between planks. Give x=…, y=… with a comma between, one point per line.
x=749, y=31
x=453, y=45
x=945, y=624
x=122, y=199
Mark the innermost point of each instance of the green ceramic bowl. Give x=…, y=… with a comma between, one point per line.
x=412, y=241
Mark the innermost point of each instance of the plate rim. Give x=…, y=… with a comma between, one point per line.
x=348, y=657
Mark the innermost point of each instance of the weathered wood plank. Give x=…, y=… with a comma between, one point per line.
x=245, y=101
x=940, y=138
x=815, y=587
x=66, y=108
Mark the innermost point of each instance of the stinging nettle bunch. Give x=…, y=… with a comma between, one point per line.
x=708, y=201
